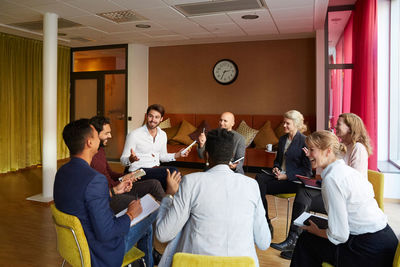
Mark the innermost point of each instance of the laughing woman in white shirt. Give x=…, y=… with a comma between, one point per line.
x=358, y=233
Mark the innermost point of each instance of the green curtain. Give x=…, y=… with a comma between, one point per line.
x=21, y=101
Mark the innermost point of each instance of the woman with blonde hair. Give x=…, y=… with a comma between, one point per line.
x=290, y=160
x=351, y=130
x=357, y=233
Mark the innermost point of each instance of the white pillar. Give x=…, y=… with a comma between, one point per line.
x=49, y=100
x=320, y=79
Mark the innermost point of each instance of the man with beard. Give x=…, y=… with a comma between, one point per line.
x=100, y=164
x=146, y=146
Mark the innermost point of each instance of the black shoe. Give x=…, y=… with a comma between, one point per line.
x=271, y=229
x=156, y=256
x=287, y=254
x=288, y=244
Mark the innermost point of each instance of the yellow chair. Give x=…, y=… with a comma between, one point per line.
x=396, y=260
x=72, y=244
x=325, y=264
x=288, y=197
x=377, y=179
x=193, y=260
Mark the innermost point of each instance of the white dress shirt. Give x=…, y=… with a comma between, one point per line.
x=357, y=158
x=149, y=150
x=349, y=202
x=217, y=212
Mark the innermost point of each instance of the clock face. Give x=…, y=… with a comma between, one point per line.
x=225, y=71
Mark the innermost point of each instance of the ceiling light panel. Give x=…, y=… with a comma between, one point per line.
x=205, y=8
x=122, y=16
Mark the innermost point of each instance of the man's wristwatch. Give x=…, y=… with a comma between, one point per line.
x=170, y=196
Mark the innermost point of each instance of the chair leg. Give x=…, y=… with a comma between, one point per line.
x=276, y=210
x=287, y=216
x=62, y=265
x=144, y=262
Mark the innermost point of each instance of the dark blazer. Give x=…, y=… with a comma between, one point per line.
x=81, y=191
x=296, y=160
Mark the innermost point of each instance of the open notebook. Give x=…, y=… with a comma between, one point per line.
x=149, y=205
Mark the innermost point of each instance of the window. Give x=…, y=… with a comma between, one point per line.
x=394, y=90
x=340, y=49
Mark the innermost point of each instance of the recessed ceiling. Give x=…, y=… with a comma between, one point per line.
x=277, y=19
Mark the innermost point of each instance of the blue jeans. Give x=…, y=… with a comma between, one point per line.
x=142, y=234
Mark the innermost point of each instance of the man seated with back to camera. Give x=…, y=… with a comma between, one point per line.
x=227, y=121
x=100, y=164
x=81, y=191
x=146, y=146
x=217, y=212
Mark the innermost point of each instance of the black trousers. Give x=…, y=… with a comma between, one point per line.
x=269, y=185
x=307, y=199
x=158, y=173
x=371, y=249
x=139, y=189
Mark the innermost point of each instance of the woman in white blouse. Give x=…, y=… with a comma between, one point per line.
x=351, y=131
x=358, y=233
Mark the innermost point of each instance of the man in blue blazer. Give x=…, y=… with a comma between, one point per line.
x=83, y=192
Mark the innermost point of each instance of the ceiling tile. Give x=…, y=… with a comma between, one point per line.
x=95, y=6
x=211, y=19
x=62, y=9
x=32, y=3
x=161, y=13
x=140, y=4
x=179, y=2
x=295, y=22
x=274, y=4
x=23, y=14
x=288, y=13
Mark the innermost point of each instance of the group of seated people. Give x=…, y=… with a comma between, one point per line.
x=221, y=211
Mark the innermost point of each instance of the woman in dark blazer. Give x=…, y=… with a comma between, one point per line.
x=290, y=160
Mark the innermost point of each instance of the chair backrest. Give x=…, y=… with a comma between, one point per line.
x=377, y=179
x=396, y=260
x=194, y=260
x=71, y=240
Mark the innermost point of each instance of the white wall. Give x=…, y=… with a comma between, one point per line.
x=138, y=84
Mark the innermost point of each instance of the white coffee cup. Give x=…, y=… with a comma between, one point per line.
x=269, y=147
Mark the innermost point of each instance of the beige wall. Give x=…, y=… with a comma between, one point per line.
x=274, y=76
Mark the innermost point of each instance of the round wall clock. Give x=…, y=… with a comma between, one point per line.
x=225, y=71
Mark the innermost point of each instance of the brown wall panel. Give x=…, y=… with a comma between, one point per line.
x=274, y=76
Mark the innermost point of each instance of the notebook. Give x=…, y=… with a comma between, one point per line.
x=149, y=205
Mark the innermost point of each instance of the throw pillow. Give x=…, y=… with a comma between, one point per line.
x=183, y=133
x=165, y=124
x=279, y=131
x=265, y=136
x=203, y=126
x=247, y=132
x=171, y=132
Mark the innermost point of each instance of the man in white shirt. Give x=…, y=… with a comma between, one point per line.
x=146, y=146
x=217, y=212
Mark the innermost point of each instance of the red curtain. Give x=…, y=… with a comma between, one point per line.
x=364, y=91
